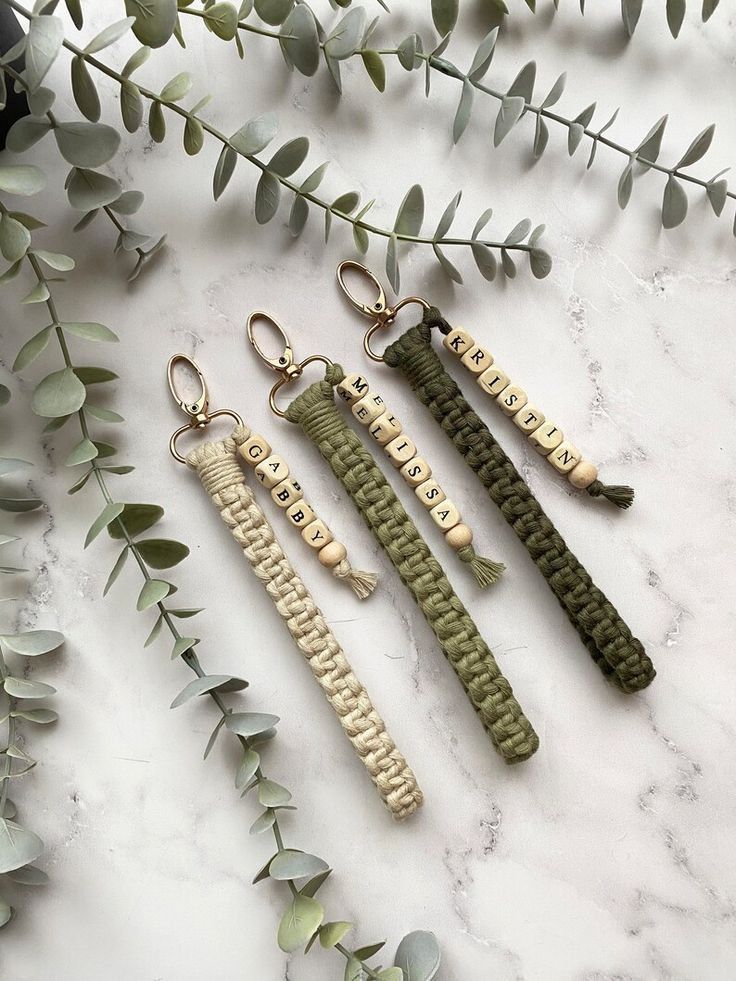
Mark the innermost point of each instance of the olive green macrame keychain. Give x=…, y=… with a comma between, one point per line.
x=620, y=656
x=317, y=412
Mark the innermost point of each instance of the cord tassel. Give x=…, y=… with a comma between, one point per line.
x=362, y=583
x=485, y=571
x=618, y=494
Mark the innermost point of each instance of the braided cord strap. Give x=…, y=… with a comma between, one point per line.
x=218, y=468
x=619, y=655
x=489, y=692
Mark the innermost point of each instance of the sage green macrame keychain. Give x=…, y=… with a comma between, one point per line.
x=218, y=467
x=619, y=655
x=319, y=416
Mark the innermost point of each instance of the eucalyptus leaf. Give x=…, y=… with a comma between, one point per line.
x=55, y=260
x=58, y=394
x=32, y=643
x=311, y=888
x=222, y=18
x=135, y=519
x=508, y=265
x=332, y=933
x=39, y=716
x=45, y=36
x=541, y=137
x=519, y=232
x=26, y=132
x=698, y=148
x=255, y=135
x=38, y=294
x=264, y=822
x=22, y=179
x=161, y=553
x=88, y=189
x=312, y=182
x=116, y=570
x=10, y=465
x=298, y=215
x=301, y=920
x=717, y=192
x=18, y=505
x=360, y=237
x=128, y=203
x=18, y=847
x=509, y=114
x=14, y=238
x=347, y=35
x=249, y=724
x=154, y=590
x=418, y=956
x=449, y=269
x=392, y=263
x=555, y=93
x=247, y=769
x=85, y=144
x=177, y=87
x=523, y=84
x=708, y=9
x=540, y=263
x=444, y=15
x=289, y=157
x=293, y=864
x=464, y=110
x=104, y=415
x=193, y=137
x=22, y=688
x=300, y=42
x=213, y=737
x=391, y=974
x=625, y=184
x=108, y=514
x=109, y=35
x=630, y=11
x=263, y=872
x=274, y=12
x=155, y=20
x=364, y=953
x=156, y=123
x=223, y=170
x=131, y=106
x=406, y=52
x=94, y=376
x=448, y=215
x=674, y=203
x=375, y=67
x=40, y=101
x=410, y=215
x=648, y=149
x=354, y=970
x=83, y=452
x=483, y=56
x=182, y=645
x=268, y=195
x=675, y=15
x=29, y=875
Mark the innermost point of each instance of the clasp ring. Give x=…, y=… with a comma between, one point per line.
x=297, y=370
x=198, y=411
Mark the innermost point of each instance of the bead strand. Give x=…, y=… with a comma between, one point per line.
x=369, y=409
x=273, y=472
x=546, y=438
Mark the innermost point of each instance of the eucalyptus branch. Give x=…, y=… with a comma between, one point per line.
x=62, y=396
x=631, y=11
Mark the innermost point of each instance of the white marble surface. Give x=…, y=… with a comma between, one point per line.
x=609, y=855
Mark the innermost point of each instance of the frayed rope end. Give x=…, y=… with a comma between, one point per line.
x=618, y=494
x=485, y=571
x=362, y=583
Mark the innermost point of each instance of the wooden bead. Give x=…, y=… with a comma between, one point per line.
x=528, y=419
x=352, y=388
x=385, y=428
x=445, y=515
x=272, y=470
x=459, y=537
x=493, y=380
x=583, y=474
x=332, y=554
x=511, y=399
x=477, y=359
x=288, y=492
x=254, y=450
x=368, y=408
x=546, y=438
x=564, y=457
x=430, y=493
x=300, y=514
x=458, y=341
x=400, y=450
x=317, y=534
x=416, y=471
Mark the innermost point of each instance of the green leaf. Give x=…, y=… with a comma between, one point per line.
x=418, y=956
x=131, y=106
x=392, y=263
x=157, y=123
x=154, y=591
x=540, y=262
x=161, y=553
x=39, y=294
x=109, y=35
x=483, y=56
x=128, y=203
x=222, y=18
x=14, y=238
x=18, y=847
x=360, y=237
x=675, y=15
x=83, y=452
x=508, y=116
x=347, y=35
x=155, y=631
x=84, y=89
x=303, y=917
x=31, y=643
x=674, y=203
x=88, y=189
x=108, y=514
x=86, y=144
x=717, y=192
x=406, y=52
x=136, y=60
x=55, y=260
x=29, y=875
x=709, y=7
x=376, y=69
x=302, y=47
x=464, y=109
x=177, y=87
x=247, y=769
x=6, y=913
x=518, y=233
x=447, y=266
x=255, y=135
x=94, y=376
x=22, y=688
x=289, y=157
x=33, y=347
x=155, y=20
x=523, y=84
x=293, y=864
x=45, y=36
x=213, y=737
x=26, y=132
x=91, y=332
x=40, y=716
x=410, y=215
x=268, y=195
x=223, y=170
x=22, y=179
x=263, y=872
x=630, y=11
x=625, y=184
x=264, y=822
x=193, y=137
x=541, y=136
x=116, y=570
x=648, y=149
x=555, y=92
x=314, y=884
x=249, y=724
x=354, y=970
x=448, y=215
x=274, y=12
x=10, y=465
x=136, y=519
x=272, y=794
x=444, y=15
x=59, y=394
x=698, y=148
x=298, y=215
x=332, y=933
x=182, y=645
x=508, y=265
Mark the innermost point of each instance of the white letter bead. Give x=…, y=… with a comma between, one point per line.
x=477, y=359
x=400, y=450
x=446, y=515
x=546, y=438
x=416, y=471
x=288, y=492
x=352, y=388
x=458, y=341
x=511, y=399
x=255, y=449
x=385, y=428
x=565, y=457
x=272, y=470
x=300, y=514
x=317, y=534
x=368, y=408
x=493, y=380
x=583, y=474
x=528, y=419
x=430, y=493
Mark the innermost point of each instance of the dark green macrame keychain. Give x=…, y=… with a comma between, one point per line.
x=619, y=655
x=317, y=412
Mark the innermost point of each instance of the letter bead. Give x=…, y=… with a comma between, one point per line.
x=300, y=514
x=583, y=475
x=332, y=554
x=272, y=470
x=288, y=492
x=528, y=419
x=430, y=493
x=477, y=359
x=400, y=450
x=493, y=380
x=511, y=399
x=416, y=471
x=546, y=438
x=368, y=408
x=385, y=428
x=564, y=457
x=458, y=341
x=352, y=388
x=445, y=515
x=317, y=534
x=255, y=449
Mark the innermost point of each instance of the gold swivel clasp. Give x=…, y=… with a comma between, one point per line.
x=197, y=410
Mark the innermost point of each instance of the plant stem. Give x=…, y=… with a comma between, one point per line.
x=8, y=760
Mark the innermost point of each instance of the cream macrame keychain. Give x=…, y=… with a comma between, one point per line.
x=218, y=467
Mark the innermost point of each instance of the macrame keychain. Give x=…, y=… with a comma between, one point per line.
x=316, y=411
x=216, y=463
x=619, y=655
